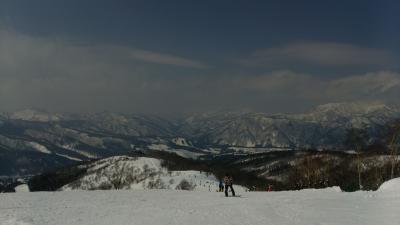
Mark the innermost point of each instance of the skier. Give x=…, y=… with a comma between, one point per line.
x=221, y=186
x=228, y=183
x=269, y=189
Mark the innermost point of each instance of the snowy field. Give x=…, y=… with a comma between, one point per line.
x=152, y=207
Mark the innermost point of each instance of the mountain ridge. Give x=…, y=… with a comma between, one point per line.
x=80, y=137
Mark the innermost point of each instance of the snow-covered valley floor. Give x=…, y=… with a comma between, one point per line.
x=308, y=207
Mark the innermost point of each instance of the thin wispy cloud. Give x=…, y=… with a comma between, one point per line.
x=67, y=76
x=321, y=54
x=63, y=76
x=17, y=48
x=372, y=86
x=159, y=58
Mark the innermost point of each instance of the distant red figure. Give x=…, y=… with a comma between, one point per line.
x=269, y=188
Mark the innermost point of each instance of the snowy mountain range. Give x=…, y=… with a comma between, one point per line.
x=323, y=128
x=33, y=141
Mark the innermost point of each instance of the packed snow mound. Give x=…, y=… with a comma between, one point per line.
x=22, y=188
x=333, y=189
x=390, y=186
x=141, y=173
x=328, y=189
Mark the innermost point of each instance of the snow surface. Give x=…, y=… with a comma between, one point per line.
x=391, y=186
x=153, y=207
x=81, y=152
x=181, y=141
x=68, y=157
x=181, y=152
x=140, y=173
x=22, y=188
x=39, y=147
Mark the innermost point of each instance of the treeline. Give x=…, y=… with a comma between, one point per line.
x=317, y=172
x=52, y=181
x=309, y=169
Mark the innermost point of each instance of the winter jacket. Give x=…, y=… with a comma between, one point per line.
x=228, y=180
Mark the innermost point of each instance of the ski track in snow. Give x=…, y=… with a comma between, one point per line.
x=153, y=207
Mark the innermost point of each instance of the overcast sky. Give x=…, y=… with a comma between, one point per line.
x=193, y=56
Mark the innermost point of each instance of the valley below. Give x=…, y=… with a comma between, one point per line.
x=327, y=146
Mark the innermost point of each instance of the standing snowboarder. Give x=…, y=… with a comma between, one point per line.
x=228, y=180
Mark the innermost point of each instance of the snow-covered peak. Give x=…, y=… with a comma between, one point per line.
x=352, y=108
x=106, y=116
x=356, y=113
x=35, y=115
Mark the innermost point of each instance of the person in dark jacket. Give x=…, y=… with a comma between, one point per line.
x=221, y=186
x=228, y=184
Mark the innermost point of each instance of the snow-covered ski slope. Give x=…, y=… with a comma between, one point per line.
x=153, y=207
x=141, y=173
